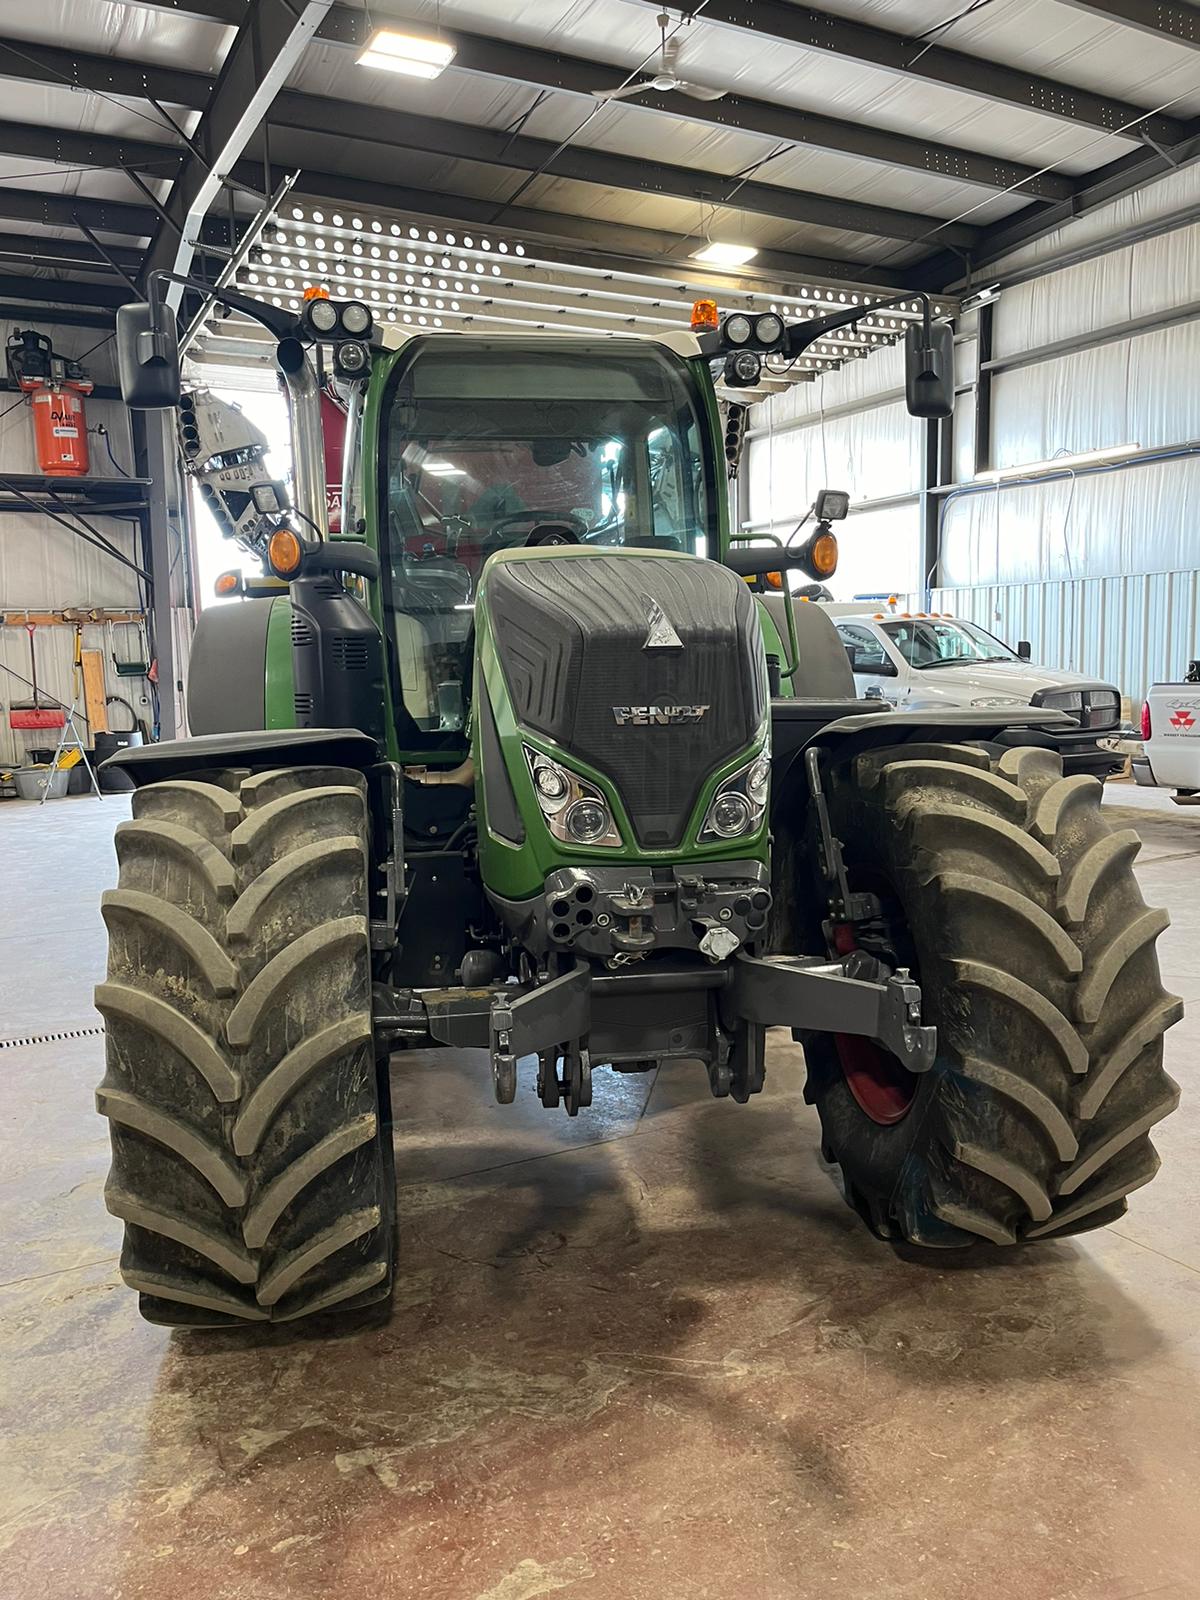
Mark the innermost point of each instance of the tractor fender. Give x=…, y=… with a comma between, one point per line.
x=845, y=737
x=850, y=736
x=261, y=748
x=240, y=667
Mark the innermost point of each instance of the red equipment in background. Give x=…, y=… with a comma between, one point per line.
x=56, y=386
x=333, y=428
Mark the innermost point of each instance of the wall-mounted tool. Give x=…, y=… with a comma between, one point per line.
x=56, y=387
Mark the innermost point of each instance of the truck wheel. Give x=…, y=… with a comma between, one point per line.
x=1016, y=905
x=251, y=1156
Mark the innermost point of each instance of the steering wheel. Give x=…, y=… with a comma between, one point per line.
x=547, y=525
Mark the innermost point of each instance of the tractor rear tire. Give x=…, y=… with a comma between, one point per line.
x=1035, y=952
x=251, y=1147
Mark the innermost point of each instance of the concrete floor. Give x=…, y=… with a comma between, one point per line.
x=645, y=1355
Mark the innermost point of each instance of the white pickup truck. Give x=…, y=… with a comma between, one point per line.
x=1169, y=757
x=920, y=661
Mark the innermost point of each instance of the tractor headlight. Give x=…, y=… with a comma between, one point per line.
x=737, y=329
x=740, y=803
x=322, y=314
x=730, y=815
x=768, y=329
x=356, y=318
x=575, y=811
x=550, y=782
x=587, y=821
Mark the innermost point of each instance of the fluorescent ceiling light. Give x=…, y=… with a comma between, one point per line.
x=443, y=469
x=408, y=53
x=726, y=255
x=1085, y=458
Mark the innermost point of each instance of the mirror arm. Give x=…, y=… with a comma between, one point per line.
x=802, y=334
x=273, y=318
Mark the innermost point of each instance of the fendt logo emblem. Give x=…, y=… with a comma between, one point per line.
x=657, y=716
x=1183, y=719
x=662, y=635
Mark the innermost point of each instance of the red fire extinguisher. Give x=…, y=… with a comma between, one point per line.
x=56, y=386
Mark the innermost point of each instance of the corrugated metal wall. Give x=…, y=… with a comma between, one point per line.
x=795, y=448
x=43, y=566
x=1098, y=570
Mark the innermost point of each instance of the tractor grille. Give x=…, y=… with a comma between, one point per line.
x=571, y=633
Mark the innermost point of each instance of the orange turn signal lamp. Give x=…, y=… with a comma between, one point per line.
x=284, y=553
x=823, y=555
x=250, y=586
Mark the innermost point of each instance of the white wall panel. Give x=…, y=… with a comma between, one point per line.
x=1136, y=519
x=873, y=453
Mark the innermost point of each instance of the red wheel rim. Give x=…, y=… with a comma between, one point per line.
x=881, y=1085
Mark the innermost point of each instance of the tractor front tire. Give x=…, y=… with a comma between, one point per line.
x=1020, y=912
x=251, y=1150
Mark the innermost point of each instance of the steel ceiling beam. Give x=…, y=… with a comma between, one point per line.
x=484, y=54
x=494, y=147
x=1123, y=176
x=130, y=80
x=34, y=249
x=812, y=29
x=71, y=292
x=1179, y=22
x=69, y=147
x=267, y=46
x=317, y=115
x=480, y=52
x=567, y=236
x=64, y=210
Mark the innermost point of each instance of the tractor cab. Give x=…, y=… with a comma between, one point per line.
x=488, y=445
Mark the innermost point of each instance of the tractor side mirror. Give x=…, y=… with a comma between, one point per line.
x=1024, y=649
x=148, y=355
x=929, y=370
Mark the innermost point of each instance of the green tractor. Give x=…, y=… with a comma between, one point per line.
x=528, y=756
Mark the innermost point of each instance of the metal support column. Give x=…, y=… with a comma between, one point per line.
x=154, y=447
x=932, y=458
x=983, y=386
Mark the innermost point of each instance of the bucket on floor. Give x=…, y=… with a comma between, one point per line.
x=109, y=744
x=33, y=782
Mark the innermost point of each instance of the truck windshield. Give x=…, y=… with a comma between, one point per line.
x=937, y=642
x=493, y=444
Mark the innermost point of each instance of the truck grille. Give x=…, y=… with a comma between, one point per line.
x=1090, y=708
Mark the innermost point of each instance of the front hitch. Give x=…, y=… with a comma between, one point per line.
x=821, y=997
x=580, y=1013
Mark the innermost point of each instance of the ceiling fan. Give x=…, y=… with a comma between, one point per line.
x=665, y=78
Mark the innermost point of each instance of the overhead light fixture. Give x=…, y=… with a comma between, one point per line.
x=1085, y=458
x=443, y=469
x=407, y=53
x=725, y=255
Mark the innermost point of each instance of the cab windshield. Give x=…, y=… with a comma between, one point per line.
x=495, y=444
x=934, y=642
